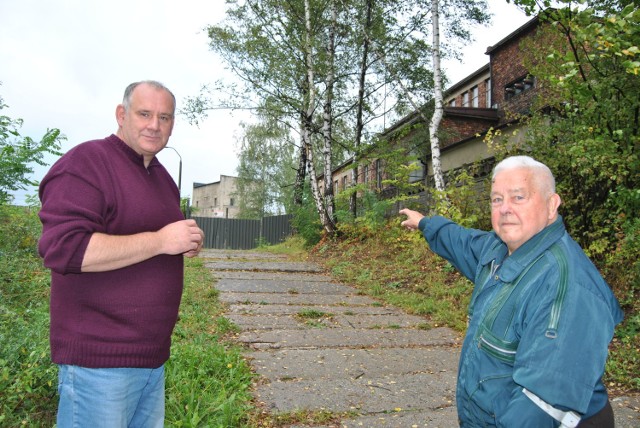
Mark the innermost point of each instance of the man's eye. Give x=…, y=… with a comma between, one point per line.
x=496, y=201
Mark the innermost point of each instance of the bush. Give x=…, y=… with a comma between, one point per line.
x=307, y=223
x=373, y=214
x=28, y=379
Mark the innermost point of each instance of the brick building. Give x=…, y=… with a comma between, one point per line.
x=484, y=100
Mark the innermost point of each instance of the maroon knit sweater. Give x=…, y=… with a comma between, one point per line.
x=119, y=318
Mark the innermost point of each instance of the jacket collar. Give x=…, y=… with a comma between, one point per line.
x=514, y=264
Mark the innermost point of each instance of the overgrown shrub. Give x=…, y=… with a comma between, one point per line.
x=465, y=199
x=372, y=213
x=28, y=379
x=306, y=222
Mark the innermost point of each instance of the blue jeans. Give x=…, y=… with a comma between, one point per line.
x=110, y=398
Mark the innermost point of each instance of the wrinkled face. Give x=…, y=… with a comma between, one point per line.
x=147, y=124
x=519, y=208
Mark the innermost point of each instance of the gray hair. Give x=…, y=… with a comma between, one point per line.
x=126, y=100
x=548, y=182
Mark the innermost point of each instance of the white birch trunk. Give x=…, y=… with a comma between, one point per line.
x=327, y=126
x=306, y=126
x=439, y=109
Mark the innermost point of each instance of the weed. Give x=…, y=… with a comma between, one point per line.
x=207, y=379
x=304, y=417
x=28, y=379
x=314, y=318
x=311, y=313
x=294, y=247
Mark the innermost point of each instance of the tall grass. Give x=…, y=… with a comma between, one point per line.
x=207, y=379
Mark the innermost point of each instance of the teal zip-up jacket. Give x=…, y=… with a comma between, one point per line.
x=541, y=319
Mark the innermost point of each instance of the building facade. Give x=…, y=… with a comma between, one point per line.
x=216, y=199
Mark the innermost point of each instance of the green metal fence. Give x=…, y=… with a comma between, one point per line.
x=239, y=234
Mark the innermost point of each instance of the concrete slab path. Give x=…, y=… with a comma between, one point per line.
x=322, y=346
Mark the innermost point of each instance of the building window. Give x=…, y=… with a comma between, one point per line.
x=474, y=96
x=344, y=182
x=465, y=99
x=366, y=173
x=231, y=202
x=215, y=202
x=335, y=187
x=487, y=91
x=452, y=103
x=518, y=86
x=418, y=173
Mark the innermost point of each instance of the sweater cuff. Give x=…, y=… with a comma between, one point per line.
x=423, y=223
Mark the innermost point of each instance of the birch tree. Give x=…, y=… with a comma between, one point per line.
x=324, y=211
x=460, y=16
x=438, y=111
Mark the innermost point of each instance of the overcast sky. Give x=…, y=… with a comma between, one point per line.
x=65, y=63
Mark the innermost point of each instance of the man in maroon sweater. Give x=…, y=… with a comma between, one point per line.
x=114, y=238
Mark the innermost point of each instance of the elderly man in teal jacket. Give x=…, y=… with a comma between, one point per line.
x=541, y=316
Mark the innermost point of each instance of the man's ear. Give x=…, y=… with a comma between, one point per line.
x=553, y=203
x=120, y=111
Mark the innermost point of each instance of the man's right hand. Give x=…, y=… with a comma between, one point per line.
x=413, y=218
x=182, y=237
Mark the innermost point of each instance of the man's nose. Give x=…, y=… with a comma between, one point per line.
x=505, y=207
x=154, y=122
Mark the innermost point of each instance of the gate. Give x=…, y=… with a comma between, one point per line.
x=240, y=234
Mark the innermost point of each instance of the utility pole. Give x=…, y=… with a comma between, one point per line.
x=179, y=170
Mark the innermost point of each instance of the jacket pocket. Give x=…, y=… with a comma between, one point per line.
x=503, y=350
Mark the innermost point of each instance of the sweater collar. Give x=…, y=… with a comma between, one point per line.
x=136, y=158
